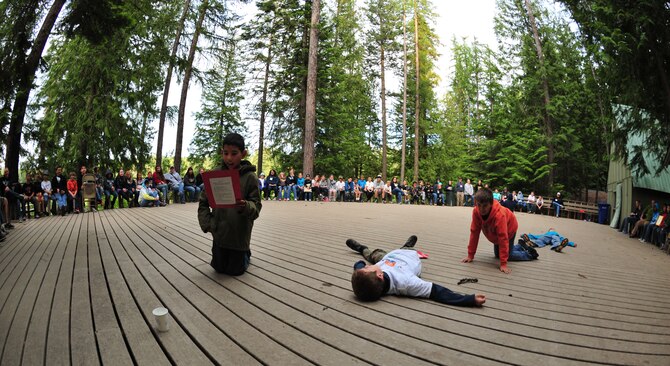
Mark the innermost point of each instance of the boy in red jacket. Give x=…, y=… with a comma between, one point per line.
x=499, y=226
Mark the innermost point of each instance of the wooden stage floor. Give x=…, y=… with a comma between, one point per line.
x=81, y=289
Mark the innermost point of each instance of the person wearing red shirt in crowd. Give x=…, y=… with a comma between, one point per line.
x=499, y=225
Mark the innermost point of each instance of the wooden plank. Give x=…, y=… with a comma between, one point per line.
x=83, y=342
x=459, y=323
x=108, y=334
x=143, y=344
x=16, y=283
x=16, y=243
x=19, y=244
x=58, y=336
x=36, y=337
x=281, y=341
x=182, y=298
x=177, y=344
x=24, y=295
x=533, y=324
x=335, y=332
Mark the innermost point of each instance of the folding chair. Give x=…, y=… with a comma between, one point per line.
x=88, y=192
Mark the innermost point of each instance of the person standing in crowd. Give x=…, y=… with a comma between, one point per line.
x=460, y=192
x=450, y=193
x=469, y=193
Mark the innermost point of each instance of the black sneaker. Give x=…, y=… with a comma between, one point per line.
x=526, y=239
x=9, y=226
x=564, y=243
x=355, y=246
x=411, y=242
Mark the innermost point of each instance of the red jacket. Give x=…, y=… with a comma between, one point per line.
x=72, y=186
x=157, y=179
x=498, y=228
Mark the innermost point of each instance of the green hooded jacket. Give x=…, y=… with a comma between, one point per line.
x=231, y=227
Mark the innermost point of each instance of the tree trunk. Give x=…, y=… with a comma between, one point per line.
x=25, y=85
x=310, y=108
x=404, y=93
x=416, y=98
x=264, y=104
x=168, y=80
x=302, y=102
x=145, y=125
x=549, y=129
x=383, y=97
x=184, y=85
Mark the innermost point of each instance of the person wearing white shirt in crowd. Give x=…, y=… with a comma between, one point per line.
x=530, y=205
x=469, y=193
x=339, y=187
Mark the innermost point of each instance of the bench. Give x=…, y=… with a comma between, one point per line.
x=580, y=210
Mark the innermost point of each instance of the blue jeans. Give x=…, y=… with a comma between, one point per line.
x=398, y=193
x=284, y=192
x=19, y=201
x=61, y=199
x=163, y=188
x=147, y=203
x=179, y=189
x=557, y=207
x=193, y=192
x=292, y=189
x=516, y=252
x=114, y=196
x=544, y=240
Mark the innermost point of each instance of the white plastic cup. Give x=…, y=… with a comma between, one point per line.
x=161, y=315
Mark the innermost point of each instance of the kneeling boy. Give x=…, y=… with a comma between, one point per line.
x=397, y=273
x=499, y=226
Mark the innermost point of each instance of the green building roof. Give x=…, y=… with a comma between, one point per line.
x=659, y=182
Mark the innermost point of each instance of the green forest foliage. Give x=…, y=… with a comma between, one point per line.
x=96, y=94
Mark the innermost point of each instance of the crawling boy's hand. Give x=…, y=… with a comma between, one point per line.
x=480, y=299
x=467, y=259
x=505, y=269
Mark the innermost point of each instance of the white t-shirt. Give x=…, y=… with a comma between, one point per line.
x=403, y=266
x=369, y=186
x=531, y=198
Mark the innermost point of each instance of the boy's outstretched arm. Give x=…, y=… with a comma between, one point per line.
x=446, y=296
